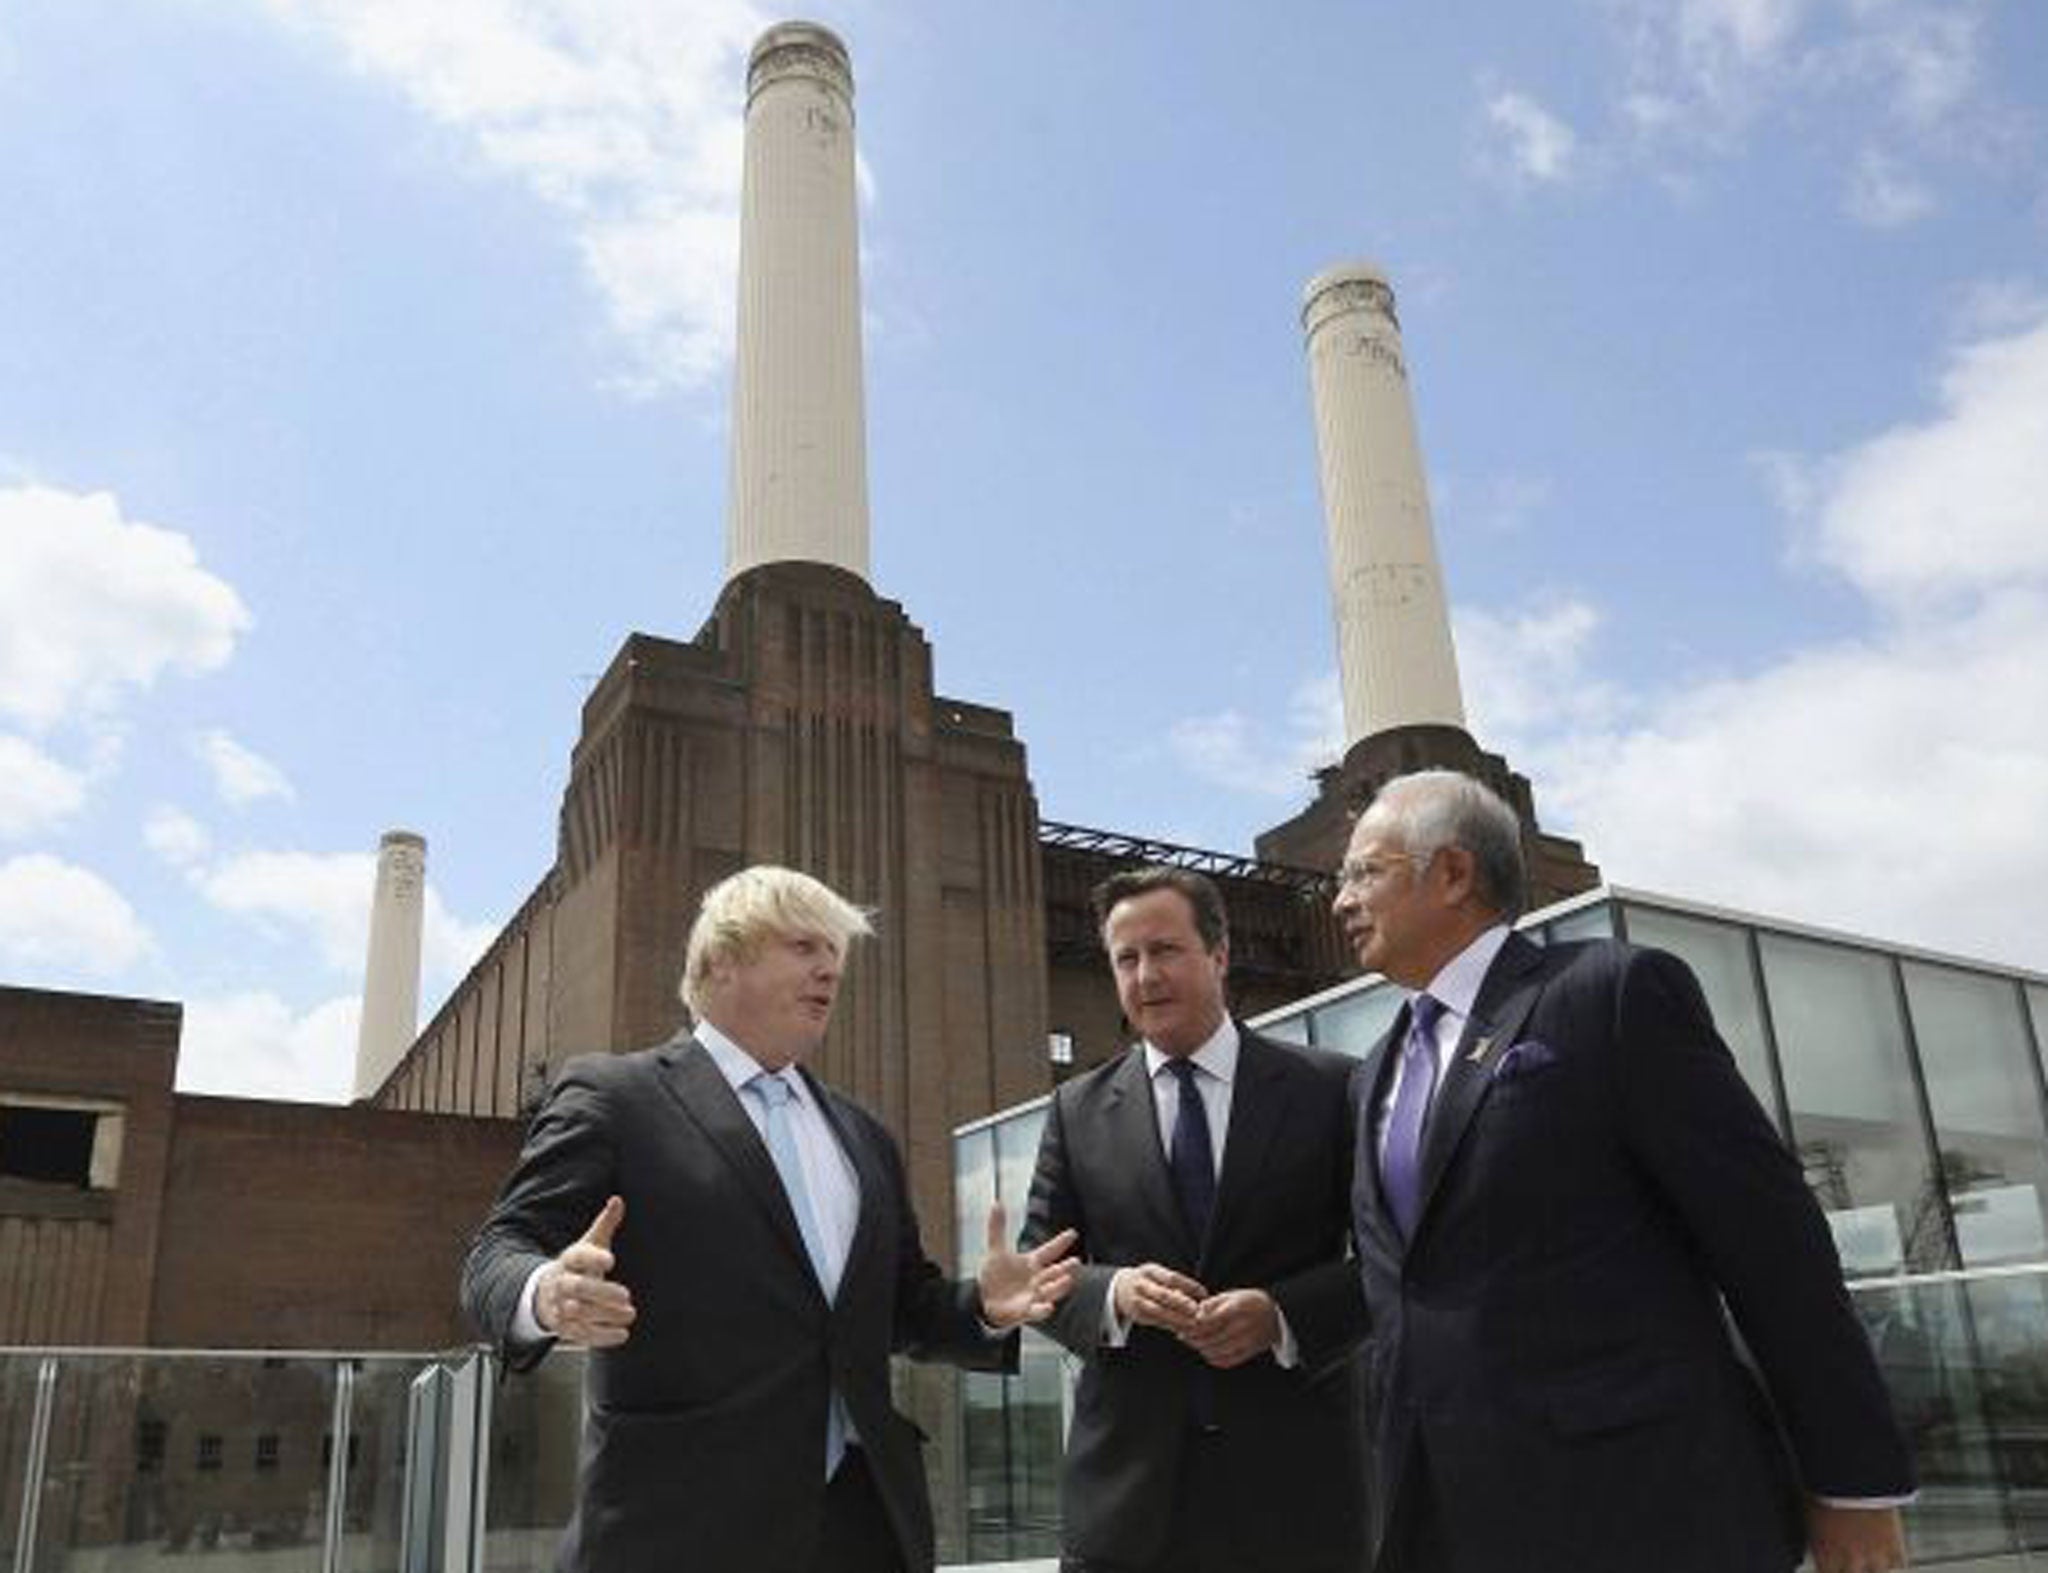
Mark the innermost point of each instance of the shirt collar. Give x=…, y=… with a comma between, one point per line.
x=739, y=1067
x=1217, y=1055
x=1456, y=985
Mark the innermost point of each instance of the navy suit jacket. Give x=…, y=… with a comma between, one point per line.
x=1290, y=1441
x=1552, y=1358
x=704, y=1433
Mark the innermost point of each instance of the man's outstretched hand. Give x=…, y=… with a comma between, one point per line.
x=1023, y=1286
x=575, y=1298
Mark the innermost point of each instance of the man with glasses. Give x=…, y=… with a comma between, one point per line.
x=1564, y=1193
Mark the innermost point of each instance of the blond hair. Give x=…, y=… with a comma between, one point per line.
x=743, y=910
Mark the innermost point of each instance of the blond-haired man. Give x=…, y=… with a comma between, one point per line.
x=734, y=1242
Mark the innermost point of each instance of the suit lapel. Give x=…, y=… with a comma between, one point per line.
x=1505, y=1000
x=693, y=1078
x=1133, y=1120
x=1257, y=1104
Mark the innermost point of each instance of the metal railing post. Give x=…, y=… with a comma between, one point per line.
x=337, y=1464
x=38, y=1460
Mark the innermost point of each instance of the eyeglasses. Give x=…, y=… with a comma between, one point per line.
x=1364, y=873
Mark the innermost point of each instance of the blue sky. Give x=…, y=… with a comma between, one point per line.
x=363, y=380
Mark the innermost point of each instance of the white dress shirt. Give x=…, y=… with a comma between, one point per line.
x=829, y=1174
x=1456, y=988
x=1215, y=1065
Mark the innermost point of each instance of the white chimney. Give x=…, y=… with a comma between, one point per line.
x=391, y=978
x=1393, y=621
x=799, y=487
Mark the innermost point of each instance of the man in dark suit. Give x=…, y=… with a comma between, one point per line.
x=1561, y=1180
x=749, y=1263
x=1216, y=1426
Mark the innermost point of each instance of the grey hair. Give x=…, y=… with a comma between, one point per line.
x=1429, y=810
x=743, y=911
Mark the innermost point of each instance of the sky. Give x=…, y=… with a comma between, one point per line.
x=364, y=370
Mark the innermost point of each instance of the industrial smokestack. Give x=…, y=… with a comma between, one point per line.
x=391, y=978
x=799, y=436
x=1393, y=622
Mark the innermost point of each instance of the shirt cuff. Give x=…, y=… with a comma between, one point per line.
x=1286, y=1352
x=1116, y=1332
x=526, y=1328
x=1873, y=1504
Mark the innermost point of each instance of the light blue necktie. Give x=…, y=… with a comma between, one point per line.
x=774, y=1094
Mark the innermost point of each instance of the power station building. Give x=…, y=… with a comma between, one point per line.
x=801, y=726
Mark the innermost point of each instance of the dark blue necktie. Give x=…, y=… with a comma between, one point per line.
x=1401, y=1156
x=1190, y=1155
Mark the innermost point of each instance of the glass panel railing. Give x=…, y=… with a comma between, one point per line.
x=536, y=1429
x=168, y=1459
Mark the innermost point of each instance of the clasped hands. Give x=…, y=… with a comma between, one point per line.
x=577, y=1300
x=1226, y=1329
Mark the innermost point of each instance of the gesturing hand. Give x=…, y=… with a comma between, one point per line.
x=575, y=1299
x=1154, y=1296
x=1023, y=1286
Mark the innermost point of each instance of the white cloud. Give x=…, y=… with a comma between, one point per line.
x=1528, y=670
x=37, y=793
x=1883, y=195
x=254, y=1045
x=1954, y=504
x=1236, y=752
x=326, y=896
x=60, y=922
x=1700, y=72
x=621, y=114
x=92, y=604
x=176, y=837
x=240, y=775
x=1891, y=783
x=1750, y=31
x=1530, y=143
x=1922, y=58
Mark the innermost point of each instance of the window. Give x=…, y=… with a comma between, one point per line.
x=266, y=1452
x=1855, y=1114
x=1971, y=1030
x=1718, y=954
x=150, y=1437
x=209, y=1453
x=52, y=1145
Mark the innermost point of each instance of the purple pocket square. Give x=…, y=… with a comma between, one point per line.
x=1521, y=1059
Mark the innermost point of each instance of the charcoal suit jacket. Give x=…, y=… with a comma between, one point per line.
x=1289, y=1440
x=1553, y=1364
x=704, y=1433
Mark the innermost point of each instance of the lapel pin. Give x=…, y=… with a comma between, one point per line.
x=1480, y=1050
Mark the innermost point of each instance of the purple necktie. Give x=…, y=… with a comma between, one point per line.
x=1401, y=1157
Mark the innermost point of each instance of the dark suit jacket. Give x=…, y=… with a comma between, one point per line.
x=1290, y=1440
x=704, y=1433
x=1550, y=1349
